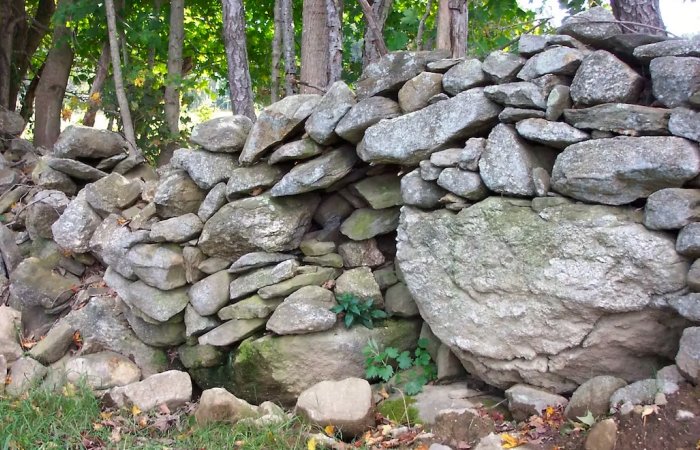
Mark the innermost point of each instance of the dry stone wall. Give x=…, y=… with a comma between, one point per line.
x=536, y=209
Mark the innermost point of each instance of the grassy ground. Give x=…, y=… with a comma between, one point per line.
x=74, y=419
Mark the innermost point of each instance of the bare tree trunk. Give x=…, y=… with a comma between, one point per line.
x=28, y=101
x=276, y=53
x=95, y=97
x=37, y=29
x=237, y=56
x=314, y=48
x=375, y=16
x=421, y=26
x=7, y=25
x=175, y=43
x=444, y=35
x=124, y=111
x=459, y=20
x=52, y=86
x=290, y=63
x=334, y=13
x=645, y=12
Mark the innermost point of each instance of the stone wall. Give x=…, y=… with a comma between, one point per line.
x=537, y=210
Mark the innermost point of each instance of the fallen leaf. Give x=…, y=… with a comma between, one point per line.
x=135, y=410
x=311, y=444
x=649, y=410
x=383, y=392
x=68, y=390
x=329, y=430
x=588, y=419
x=510, y=441
x=163, y=408
x=115, y=436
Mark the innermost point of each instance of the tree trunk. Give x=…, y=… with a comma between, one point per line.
x=28, y=100
x=95, y=97
x=644, y=12
x=421, y=26
x=276, y=53
x=444, y=34
x=290, y=62
x=459, y=19
x=314, y=48
x=7, y=25
x=175, y=43
x=237, y=56
x=334, y=14
x=375, y=16
x=37, y=29
x=52, y=86
x=124, y=111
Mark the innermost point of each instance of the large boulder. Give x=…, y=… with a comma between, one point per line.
x=335, y=103
x=602, y=78
x=258, y=223
x=205, y=168
x=404, y=140
x=317, y=173
x=86, y=142
x=619, y=170
x=547, y=309
x=280, y=368
x=392, y=71
x=223, y=134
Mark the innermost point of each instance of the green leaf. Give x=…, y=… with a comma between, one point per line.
x=378, y=314
x=355, y=310
x=391, y=352
x=337, y=309
x=588, y=419
x=349, y=319
x=413, y=387
x=423, y=359
x=386, y=372
x=423, y=343
x=405, y=361
x=372, y=372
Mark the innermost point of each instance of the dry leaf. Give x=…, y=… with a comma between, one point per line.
x=163, y=408
x=116, y=435
x=311, y=444
x=329, y=430
x=510, y=441
x=135, y=410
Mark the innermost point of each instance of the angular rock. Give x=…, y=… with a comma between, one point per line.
x=280, y=368
x=673, y=79
x=603, y=436
x=253, y=307
x=525, y=401
x=381, y=191
x=10, y=322
x=258, y=223
x=345, y=404
x=561, y=267
x=390, y=72
x=11, y=123
x=87, y=142
x=277, y=122
x=313, y=247
x=302, y=149
x=75, y=169
x=178, y=229
x=515, y=115
x=231, y=332
x=155, y=333
x=367, y=223
x=316, y=278
x=159, y=265
x=463, y=183
x=446, y=158
x=594, y=396
x=404, y=141
x=335, y=103
x=620, y=170
x=365, y=114
x=34, y=283
x=55, y=344
x=555, y=61
x=158, y=306
x=591, y=26
x=361, y=253
x=198, y=356
x=44, y=209
x=672, y=208
x=102, y=370
x=559, y=99
x=172, y=389
x=73, y=230
x=317, y=173
x=602, y=78
x=205, y=168
x=215, y=199
x=554, y=134
x=308, y=310
x=417, y=192
x=360, y=282
x=685, y=122
x=519, y=95
x=620, y=118
x=196, y=324
x=222, y=134
x=670, y=47
x=507, y=162
x=177, y=194
x=688, y=357
x=642, y=392
x=259, y=278
x=502, y=67
x=47, y=178
x=329, y=260
x=257, y=259
x=688, y=242
x=465, y=75
x=398, y=302
x=209, y=295
x=694, y=277
x=416, y=92
x=112, y=194
x=25, y=373
x=219, y=405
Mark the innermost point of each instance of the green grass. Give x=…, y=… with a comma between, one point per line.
x=75, y=419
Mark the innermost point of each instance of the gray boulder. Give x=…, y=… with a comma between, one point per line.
x=222, y=134
x=172, y=389
x=178, y=229
x=73, y=230
x=642, y=392
x=258, y=223
x=398, y=301
x=252, y=281
x=602, y=78
x=246, y=180
x=74, y=169
x=559, y=99
x=428, y=170
x=308, y=310
x=594, y=396
x=257, y=259
x=465, y=75
x=10, y=322
x=554, y=134
x=34, y=283
x=366, y=223
x=177, y=194
x=11, y=123
x=688, y=242
x=24, y=374
x=209, y=295
x=417, y=192
x=463, y=183
x=519, y=95
x=381, y=191
x=253, y=307
x=688, y=357
x=620, y=118
x=514, y=115
x=277, y=122
x=158, y=265
x=390, y=72
x=102, y=370
x=112, y=241
x=674, y=79
x=87, y=142
x=685, y=122
x=151, y=304
x=404, y=141
x=196, y=324
x=48, y=178
x=231, y=332
x=670, y=47
x=620, y=170
x=556, y=61
x=321, y=124
x=302, y=149
x=360, y=282
x=215, y=199
x=502, y=67
x=592, y=26
x=584, y=287
x=417, y=92
x=365, y=114
x=112, y=194
x=219, y=405
x=205, y=168
x=44, y=209
x=672, y=208
x=525, y=401
x=317, y=173
x=361, y=253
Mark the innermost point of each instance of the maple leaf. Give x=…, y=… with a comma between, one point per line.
x=66, y=114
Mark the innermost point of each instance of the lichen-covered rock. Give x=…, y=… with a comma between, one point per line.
x=222, y=134
x=562, y=268
x=211, y=294
x=321, y=124
x=520, y=94
x=24, y=374
x=404, y=140
x=87, y=142
x=670, y=47
x=621, y=118
x=75, y=169
x=417, y=192
x=112, y=194
x=360, y=283
x=232, y=331
x=365, y=114
x=620, y=170
x=603, y=78
x=215, y=199
x=381, y=191
x=465, y=75
x=259, y=278
x=258, y=223
x=196, y=324
x=257, y=259
x=311, y=276
x=361, y=253
x=308, y=310
x=555, y=61
x=502, y=67
x=466, y=184
x=317, y=173
x=219, y=405
x=672, y=209
x=247, y=180
x=392, y=71
x=48, y=178
x=366, y=223
x=177, y=194
x=525, y=401
x=73, y=230
x=554, y=134
x=275, y=123
x=688, y=242
x=177, y=229
x=685, y=122
x=10, y=322
x=674, y=79
x=44, y=209
x=417, y=92
x=112, y=241
x=302, y=149
x=592, y=26
x=102, y=370
x=688, y=357
x=172, y=389
x=205, y=168
x=158, y=265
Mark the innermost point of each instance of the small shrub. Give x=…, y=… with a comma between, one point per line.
x=356, y=310
x=379, y=364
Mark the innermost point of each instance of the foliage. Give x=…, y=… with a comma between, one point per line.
x=355, y=309
x=74, y=419
x=418, y=368
x=400, y=410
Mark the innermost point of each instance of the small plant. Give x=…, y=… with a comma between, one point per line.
x=356, y=310
x=379, y=364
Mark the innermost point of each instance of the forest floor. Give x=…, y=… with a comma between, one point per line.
x=75, y=419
